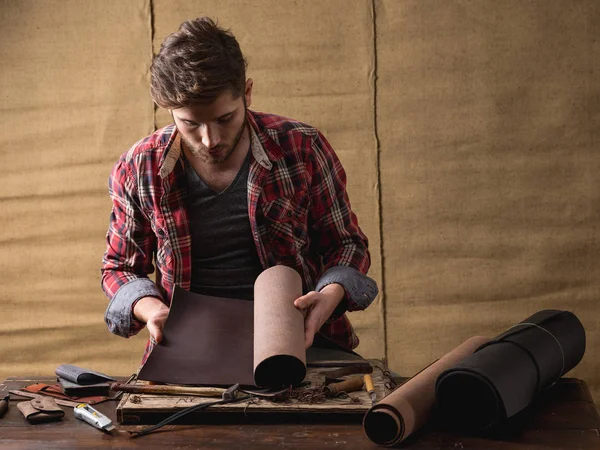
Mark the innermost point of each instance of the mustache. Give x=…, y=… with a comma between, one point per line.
x=202, y=147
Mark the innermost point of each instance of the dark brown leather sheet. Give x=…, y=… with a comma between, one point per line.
x=206, y=340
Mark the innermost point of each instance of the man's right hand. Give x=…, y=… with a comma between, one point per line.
x=153, y=312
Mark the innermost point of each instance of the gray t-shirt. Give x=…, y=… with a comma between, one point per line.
x=225, y=262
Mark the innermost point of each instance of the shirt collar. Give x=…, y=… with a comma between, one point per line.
x=173, y=150
x=172, y=153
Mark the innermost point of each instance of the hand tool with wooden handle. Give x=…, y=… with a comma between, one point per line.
x=352, y=384
x=163, y=389
x=370, y=388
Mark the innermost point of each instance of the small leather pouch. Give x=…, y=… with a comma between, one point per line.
x=40, y=410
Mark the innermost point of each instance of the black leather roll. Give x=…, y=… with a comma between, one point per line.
x=503, y=376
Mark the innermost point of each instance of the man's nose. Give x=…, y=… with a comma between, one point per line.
x=210, y=136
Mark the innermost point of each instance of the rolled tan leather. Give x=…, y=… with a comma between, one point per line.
x=279, y=352
x=406, y=409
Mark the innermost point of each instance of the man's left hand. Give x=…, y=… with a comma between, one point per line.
x=318, y=306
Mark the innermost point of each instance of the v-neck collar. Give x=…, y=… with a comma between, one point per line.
x=191, y=172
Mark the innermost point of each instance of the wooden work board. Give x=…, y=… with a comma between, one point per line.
x=136, y=409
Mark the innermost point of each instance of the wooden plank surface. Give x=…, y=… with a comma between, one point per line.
x=565, y=417
x=150, y=409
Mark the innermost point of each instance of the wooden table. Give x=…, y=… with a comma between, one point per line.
x=565, y=417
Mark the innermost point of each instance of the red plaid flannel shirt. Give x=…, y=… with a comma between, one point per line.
x=299, y=213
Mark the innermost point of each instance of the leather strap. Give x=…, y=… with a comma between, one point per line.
x=54, y=390
x=184, y=412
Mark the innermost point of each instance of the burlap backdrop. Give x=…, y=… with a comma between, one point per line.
x=467, y=129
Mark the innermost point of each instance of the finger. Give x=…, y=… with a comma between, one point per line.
x=309, y=337
x=307, y=300
x=156, y=324
x=155, y=331
x=310, y=328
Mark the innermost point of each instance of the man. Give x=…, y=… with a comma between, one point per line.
x=224, y=193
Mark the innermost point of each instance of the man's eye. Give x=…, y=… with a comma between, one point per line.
x=224, y=119
x=190, y=124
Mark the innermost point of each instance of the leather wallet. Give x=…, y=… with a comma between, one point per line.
x=83, y=390
x=40, y=410
x=80, y=375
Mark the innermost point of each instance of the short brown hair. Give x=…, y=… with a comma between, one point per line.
x=196, y=64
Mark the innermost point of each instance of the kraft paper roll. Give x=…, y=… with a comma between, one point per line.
x=279, y=352
x=406, y=409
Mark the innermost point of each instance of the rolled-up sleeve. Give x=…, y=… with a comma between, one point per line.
x=339, y=240
x=119, y=314
x=129, y=252
x=360, y=289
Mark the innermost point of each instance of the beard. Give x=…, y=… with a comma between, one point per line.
x=224, y=151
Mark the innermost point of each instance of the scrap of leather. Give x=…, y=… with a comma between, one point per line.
x=213, y=341
x=58, y=401
x=54, y=390
x=41, y=410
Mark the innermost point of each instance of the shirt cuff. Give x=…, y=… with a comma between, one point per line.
x=360, y=289
x=119, y=313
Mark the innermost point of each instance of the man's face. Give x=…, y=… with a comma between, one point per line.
x=211, y=131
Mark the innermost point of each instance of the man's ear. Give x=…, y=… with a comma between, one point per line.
x=248, y=92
